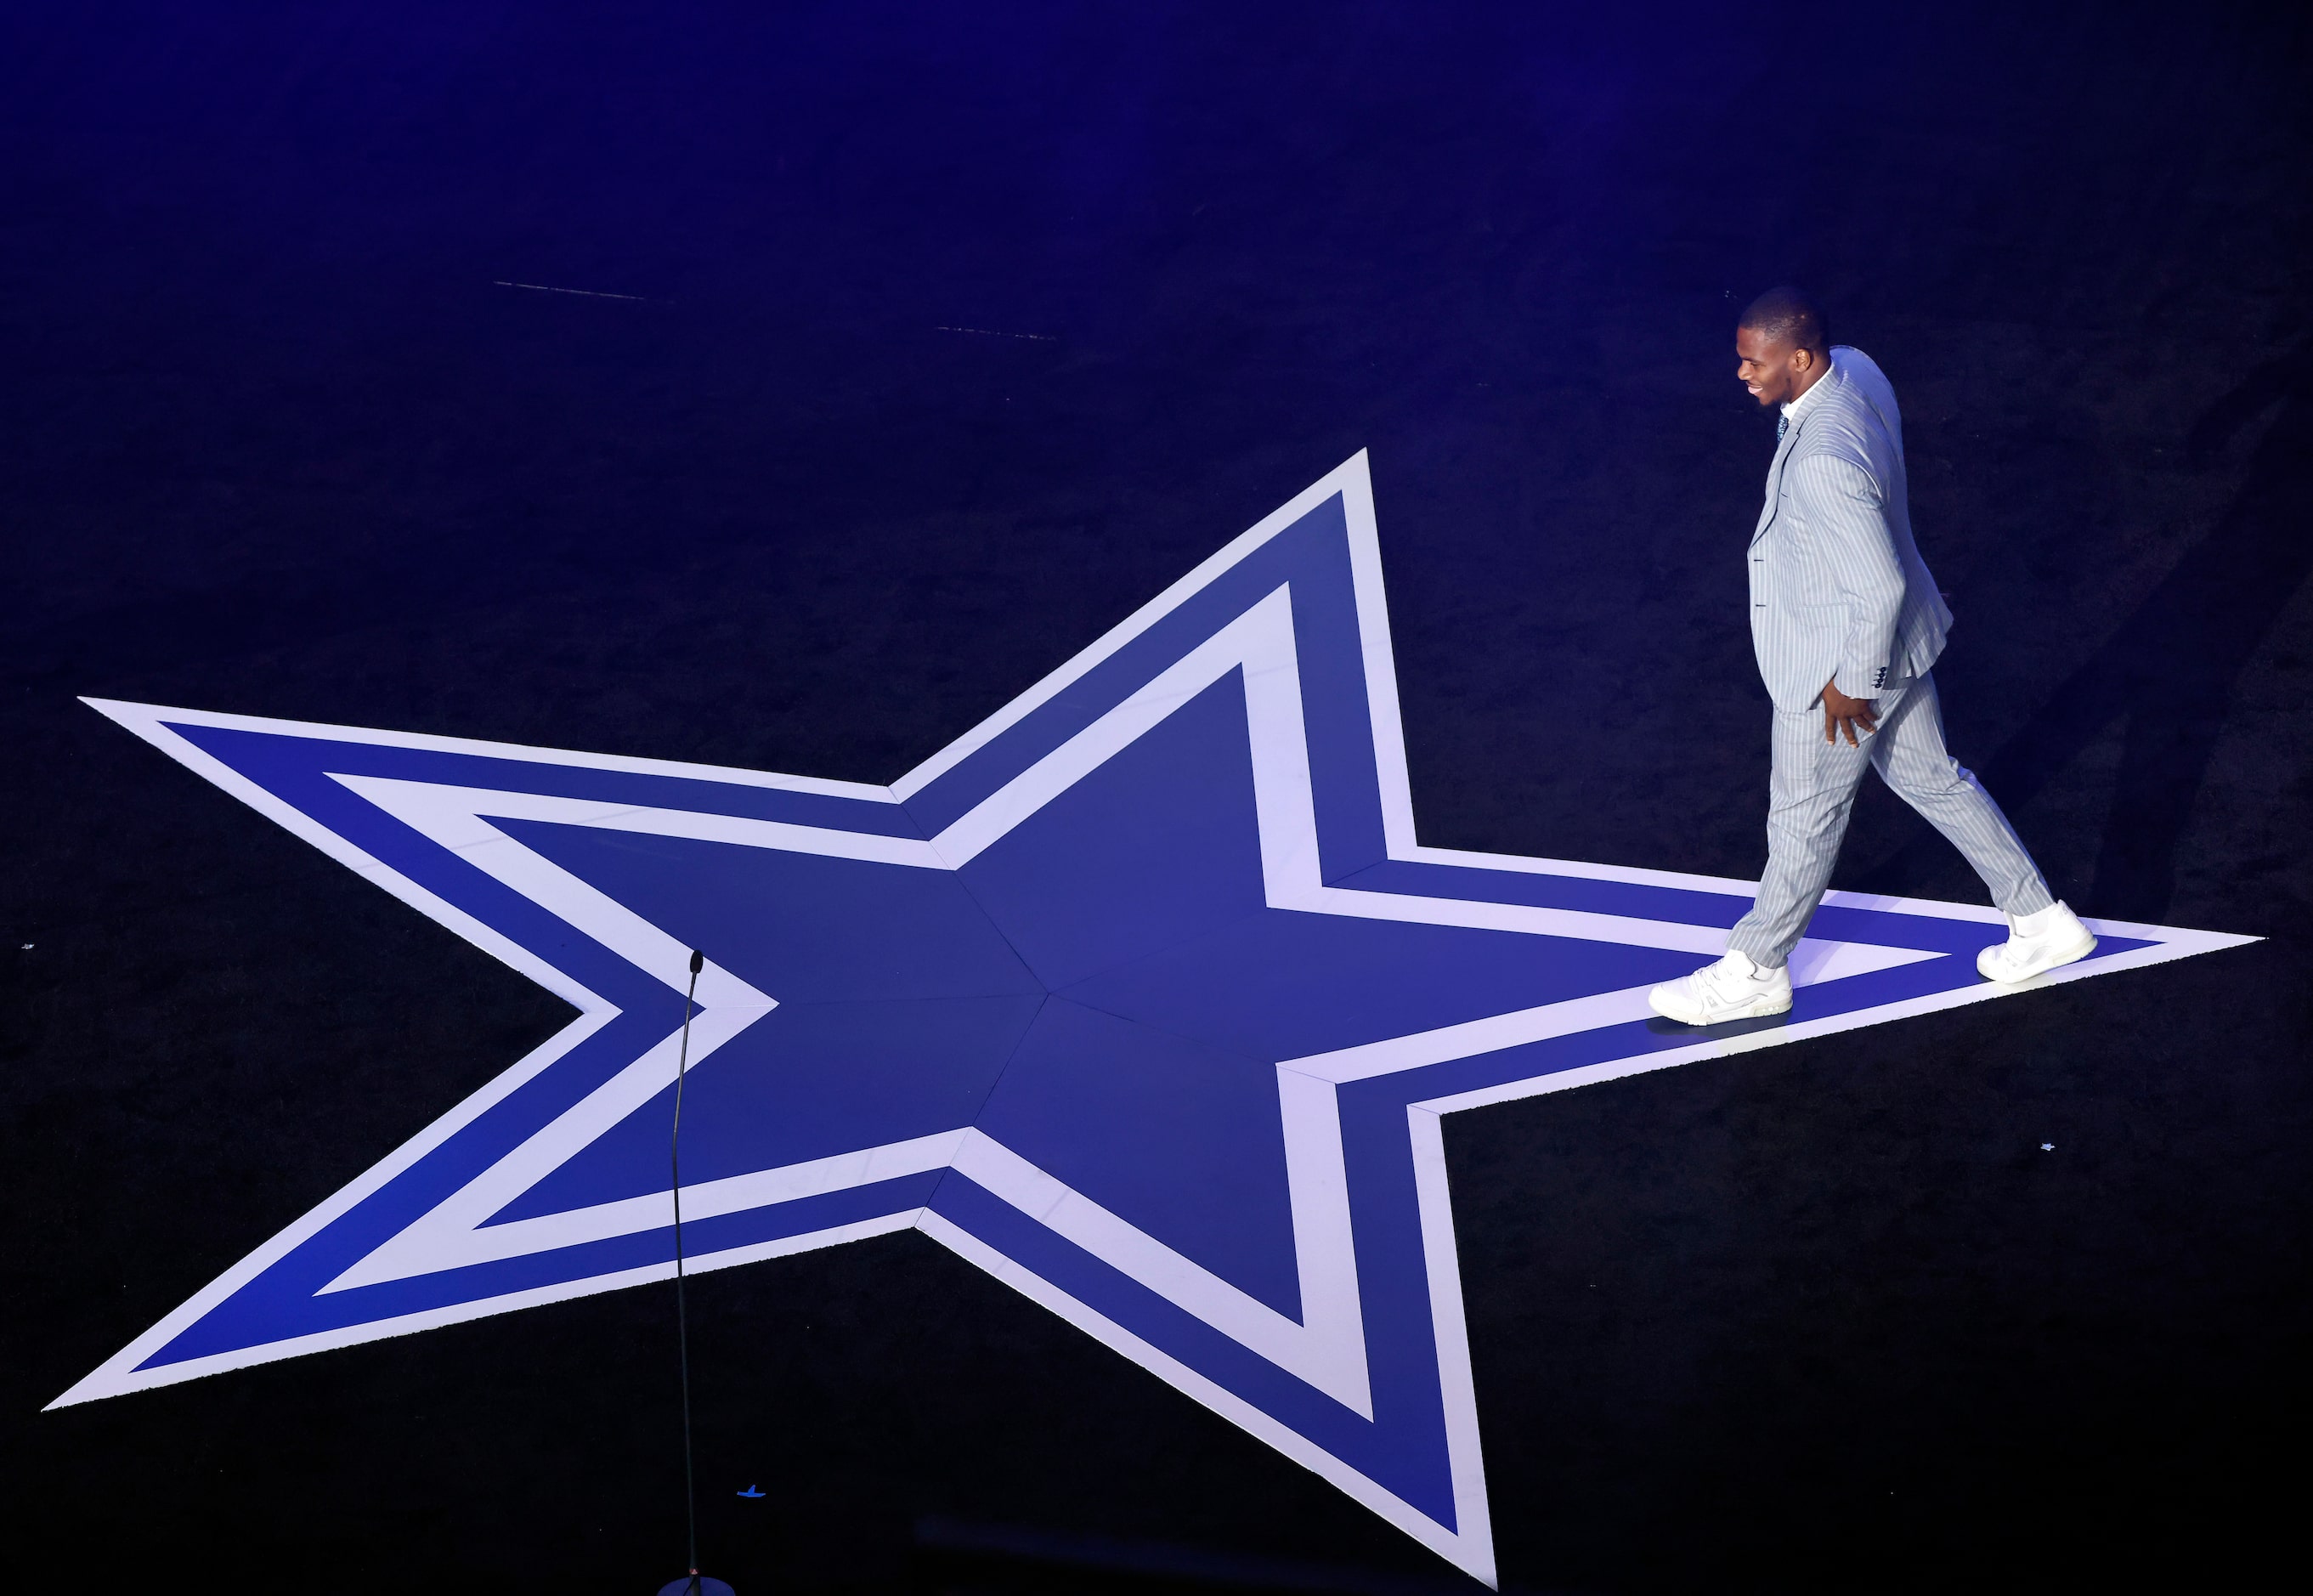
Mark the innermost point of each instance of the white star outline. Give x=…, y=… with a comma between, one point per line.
x=1326, y=1347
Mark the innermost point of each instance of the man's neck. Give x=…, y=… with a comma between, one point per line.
x=1817, y=372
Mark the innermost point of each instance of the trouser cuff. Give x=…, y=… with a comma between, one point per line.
x=2028, y=900
x=1759, y=953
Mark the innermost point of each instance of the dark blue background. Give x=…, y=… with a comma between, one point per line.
x=272, y=440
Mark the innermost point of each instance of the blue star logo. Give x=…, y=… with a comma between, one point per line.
x=1141, y=996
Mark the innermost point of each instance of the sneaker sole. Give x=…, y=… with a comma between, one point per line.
x=1757, y=1009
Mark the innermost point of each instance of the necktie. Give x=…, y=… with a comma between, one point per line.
x=1782, y=426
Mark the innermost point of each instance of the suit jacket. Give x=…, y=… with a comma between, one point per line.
x=1838, y=589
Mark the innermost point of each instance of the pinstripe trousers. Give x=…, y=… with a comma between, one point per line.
x=1813, y=789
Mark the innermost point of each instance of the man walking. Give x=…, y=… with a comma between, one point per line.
x=1846, y=623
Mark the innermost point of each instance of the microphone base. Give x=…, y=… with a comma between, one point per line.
x=698, y=1584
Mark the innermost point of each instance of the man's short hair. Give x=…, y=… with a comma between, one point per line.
x=1788, y=316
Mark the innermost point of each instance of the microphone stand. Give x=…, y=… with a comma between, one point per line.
x=695, y=1583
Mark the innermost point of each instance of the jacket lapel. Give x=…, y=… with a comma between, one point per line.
x=1774, y=481
x=1784, y=452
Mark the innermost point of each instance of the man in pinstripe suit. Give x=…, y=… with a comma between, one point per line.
x=1847, y=624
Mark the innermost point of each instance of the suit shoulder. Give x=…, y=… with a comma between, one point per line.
x=1858, y=365
x=1869, y=383
x=1857, y=414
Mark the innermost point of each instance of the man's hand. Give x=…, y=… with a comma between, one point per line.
x=1843, y=713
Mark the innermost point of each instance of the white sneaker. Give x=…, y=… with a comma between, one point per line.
x=2036, y=942
x=1732, y=989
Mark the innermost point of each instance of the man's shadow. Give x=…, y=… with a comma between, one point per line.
x=2171, y=667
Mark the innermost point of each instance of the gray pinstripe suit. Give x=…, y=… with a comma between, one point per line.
x=1840, y=593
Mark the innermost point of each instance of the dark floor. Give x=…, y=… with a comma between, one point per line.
x=274, y=439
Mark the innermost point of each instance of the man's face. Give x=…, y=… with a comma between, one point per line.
x=1774, y=372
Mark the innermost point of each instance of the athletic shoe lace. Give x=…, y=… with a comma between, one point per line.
x=1722, y=981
